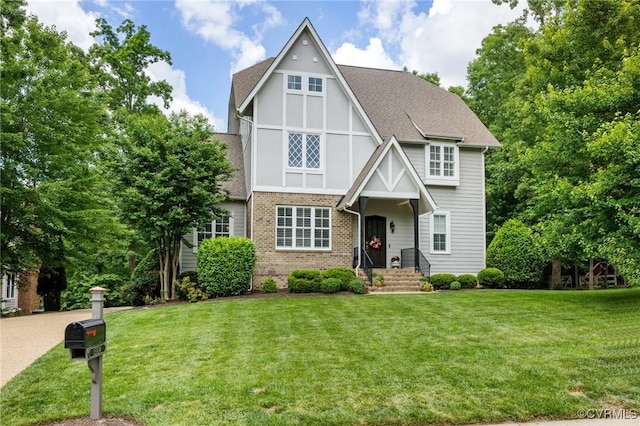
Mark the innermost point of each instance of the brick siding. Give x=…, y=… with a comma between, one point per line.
x=279, y=263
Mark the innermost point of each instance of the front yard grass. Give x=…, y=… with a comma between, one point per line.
x=447, y=358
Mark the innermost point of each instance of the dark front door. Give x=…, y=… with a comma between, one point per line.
x=375, y=232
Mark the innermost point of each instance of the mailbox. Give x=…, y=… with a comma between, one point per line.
x=86, y=339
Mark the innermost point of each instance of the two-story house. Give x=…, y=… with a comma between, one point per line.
x=348, y=166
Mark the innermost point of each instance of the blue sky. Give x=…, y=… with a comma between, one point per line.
x=209, y=40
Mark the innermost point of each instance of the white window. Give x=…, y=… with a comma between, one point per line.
x=304, y=151
x=440, y=233
x=315, y=84
x=303, y=227
x=222, y=227
x=442, y=164
x=294, y=82
x=9, y=284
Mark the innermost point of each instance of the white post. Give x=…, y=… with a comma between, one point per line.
x=95, y=365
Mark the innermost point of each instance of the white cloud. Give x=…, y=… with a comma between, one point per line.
x=444, y=40
x=66, y=15
x=214, y=21
x=181, y=100
x=372, y=56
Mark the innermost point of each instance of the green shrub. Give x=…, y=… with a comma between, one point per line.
x=330, y=285
x=269, y=286
x=427, y=287
x=378, y=280
x=518, y=253
x=225, y=265
x=189, y=290
x=356, y=286
x=442, y=281
x=455, y=285
x=193, y=276
x=467, y=280
x=145, y=281
x=491, y=277
x=304, y=281
x=345, y=275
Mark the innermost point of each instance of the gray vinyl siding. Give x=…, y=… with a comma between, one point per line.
x=465, y=204
x=237, y=210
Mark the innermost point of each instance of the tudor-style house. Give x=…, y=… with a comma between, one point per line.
x=343, y=166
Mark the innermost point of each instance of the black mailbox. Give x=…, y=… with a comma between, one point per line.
x=86, y=339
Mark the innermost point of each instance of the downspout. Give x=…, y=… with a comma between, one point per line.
x=359, y=238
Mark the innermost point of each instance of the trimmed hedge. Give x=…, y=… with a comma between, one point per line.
x=345, y=275
x=467, y=280
x=356, y=286
x=304, y=281
x=225, y=265
x=330, y=285
x=269, y=286
x=442, y=281
x=492, y=278
x=455, y=285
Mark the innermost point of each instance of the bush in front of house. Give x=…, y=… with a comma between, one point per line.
x=330, y=285
x=518, y=253
x=145, y=281
x=491, y=277
x=189, y=290
x=304, y=281
x=269, y=286
x=225, y=265
x=193, y=276
x=442, y=281
x=345, y=275
x=455, y=285
x=427, y=287
x=356, y=286
x=467, y=280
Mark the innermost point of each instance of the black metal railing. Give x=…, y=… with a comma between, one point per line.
x=408, y=260
x=366, y=265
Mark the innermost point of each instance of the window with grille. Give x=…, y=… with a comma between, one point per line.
x=304, y=151
x=294, y=82
x=442, y=165
x=214, y=229
x=440, y=234
x=9, y=284
x=315, y=84
x=303, y=227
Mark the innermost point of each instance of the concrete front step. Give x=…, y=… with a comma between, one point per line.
x=397, y=280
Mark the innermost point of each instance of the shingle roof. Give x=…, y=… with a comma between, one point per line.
x=395, y=100
x=236, y=186
x=397, y=103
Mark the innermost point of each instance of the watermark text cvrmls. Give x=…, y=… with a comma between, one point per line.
x=609, y=413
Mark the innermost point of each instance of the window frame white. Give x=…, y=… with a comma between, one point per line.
x=214, y=234
x=292, y=80
x=305, y=151
x=9, y=286
x=318, y=83
x=441, y=178
x=294, y=227
x=432, y=240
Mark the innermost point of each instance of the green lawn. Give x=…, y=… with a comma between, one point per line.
x=454, y=357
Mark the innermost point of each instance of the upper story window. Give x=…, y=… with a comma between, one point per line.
x=304, y=151
x=294, y=82
x=303, y=227
x=315, y=84
x=442, y=164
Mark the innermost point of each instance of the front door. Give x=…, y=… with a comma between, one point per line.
x=375, y=232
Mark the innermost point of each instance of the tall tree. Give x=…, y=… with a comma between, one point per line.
x=168, y=175
x=122, y=60
x=52, y=125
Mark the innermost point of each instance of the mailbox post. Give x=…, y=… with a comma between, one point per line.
x=95, y=364
x=86, y=340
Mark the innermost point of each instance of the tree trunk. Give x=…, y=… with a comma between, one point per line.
x=556, y=274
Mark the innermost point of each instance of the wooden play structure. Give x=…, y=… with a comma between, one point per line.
x=601, y=274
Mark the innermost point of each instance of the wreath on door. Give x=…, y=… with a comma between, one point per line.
x=375, y=243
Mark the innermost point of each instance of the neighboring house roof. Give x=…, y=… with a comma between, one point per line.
x=236, y=186
x=397, y=103
x=427, y=203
